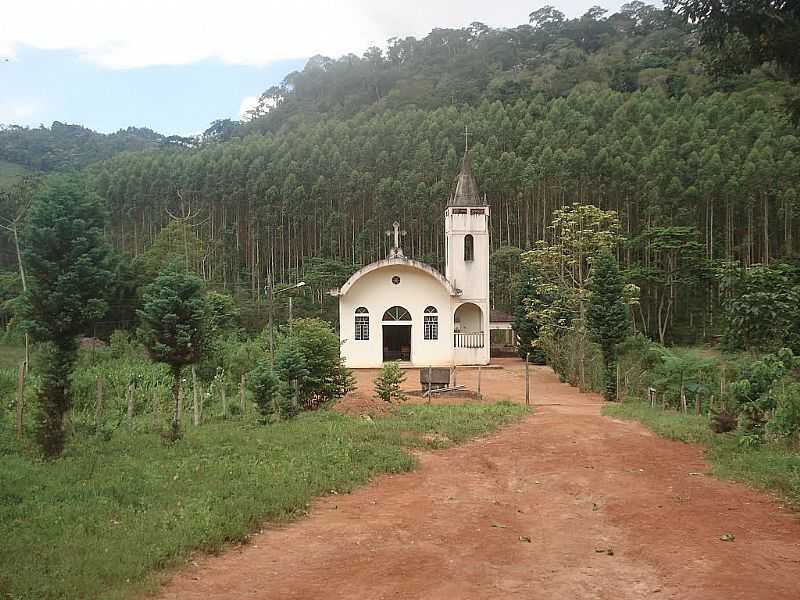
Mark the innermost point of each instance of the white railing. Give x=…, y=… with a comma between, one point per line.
x=468, y=340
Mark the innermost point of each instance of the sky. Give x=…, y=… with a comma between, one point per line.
x=177, y=65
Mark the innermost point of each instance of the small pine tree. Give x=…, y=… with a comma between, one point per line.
x=293, y=370
x=387, y=383
x=173, y=315
x=264, y=384
x=67, y=261
x=607, y=316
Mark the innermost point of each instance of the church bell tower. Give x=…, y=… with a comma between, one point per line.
x=467, y=234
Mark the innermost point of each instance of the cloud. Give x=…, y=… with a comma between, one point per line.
x=137, y=33
x=16, y=111
x=248, y=102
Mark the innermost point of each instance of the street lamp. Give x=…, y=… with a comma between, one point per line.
x=271, y=293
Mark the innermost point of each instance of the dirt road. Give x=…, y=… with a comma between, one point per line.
x=566, y=504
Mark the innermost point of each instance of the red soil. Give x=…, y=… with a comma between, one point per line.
x=565, y=504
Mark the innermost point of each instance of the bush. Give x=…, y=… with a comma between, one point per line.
x=264, y=384
x=388, y=382
x=309, y=355
x=757, y=390
x=786, y=420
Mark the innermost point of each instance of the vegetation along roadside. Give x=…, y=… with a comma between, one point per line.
x=112, y=513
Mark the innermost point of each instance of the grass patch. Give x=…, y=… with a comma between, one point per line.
x=772, y=467
x=103, y=520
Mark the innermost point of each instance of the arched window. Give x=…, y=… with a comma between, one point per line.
x=469, y=247
x=397, y=313
x=362, y=324
x=431, y=323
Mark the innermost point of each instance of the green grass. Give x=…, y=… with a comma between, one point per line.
x=772, y=467
x=107, y=518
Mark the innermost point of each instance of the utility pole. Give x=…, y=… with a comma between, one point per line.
x=271, y=292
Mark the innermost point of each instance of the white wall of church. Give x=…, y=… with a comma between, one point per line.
x=376, y=292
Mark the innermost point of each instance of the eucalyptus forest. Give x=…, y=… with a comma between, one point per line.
x=169, y=344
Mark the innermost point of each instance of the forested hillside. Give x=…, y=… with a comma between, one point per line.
x=64, y=147
x=697, y=153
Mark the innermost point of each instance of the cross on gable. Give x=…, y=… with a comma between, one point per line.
x=396, y=249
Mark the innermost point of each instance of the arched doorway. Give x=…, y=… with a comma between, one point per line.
x=468, y=326
x=396, y=334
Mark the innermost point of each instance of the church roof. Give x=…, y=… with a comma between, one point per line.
x=466, y=192
x=396, y=261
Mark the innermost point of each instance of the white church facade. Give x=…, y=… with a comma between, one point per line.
x=403, y=309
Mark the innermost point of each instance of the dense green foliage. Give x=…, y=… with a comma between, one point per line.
x=174, y=328
x=264, y=384
x=563, y=267
x=721, y=167
x=66, y=258
x=758, y=31
x=82, y=518
x=607, y=319
x=761, y=307
x=622, y=111
x=308, y=358
x=641, y=46
x=529, y=300
x=760, y=388
x=62, y=147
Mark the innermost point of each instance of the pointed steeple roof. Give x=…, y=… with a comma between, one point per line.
x=466, y=192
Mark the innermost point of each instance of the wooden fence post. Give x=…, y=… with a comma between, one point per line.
x=241, y=395
x=224, y=402
x=195, y=399
x=20, y=397
x=697, y=404
x=479, y=381
x=180, y=404
x=156, y=409
x=98, y=401
x=130, y=402
x=527, y=380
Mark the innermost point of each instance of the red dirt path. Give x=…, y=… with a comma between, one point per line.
x=611, y=511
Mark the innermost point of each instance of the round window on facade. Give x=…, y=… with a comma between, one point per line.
x=396, y=279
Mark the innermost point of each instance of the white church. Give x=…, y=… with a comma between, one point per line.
x=403, y=309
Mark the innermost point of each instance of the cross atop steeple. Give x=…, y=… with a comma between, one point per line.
x=466, y=138
x=397, y=251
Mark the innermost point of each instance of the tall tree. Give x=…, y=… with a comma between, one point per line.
x=173, y=318
x=66, y=257
x=607, y=318
x=771, y=27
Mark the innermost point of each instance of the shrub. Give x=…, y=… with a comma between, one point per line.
x=786, y=420
x=309, y=355
x=264, y=384
x=388, y=382
x=756, y=390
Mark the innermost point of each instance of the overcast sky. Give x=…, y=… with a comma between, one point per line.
x=176, y=65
